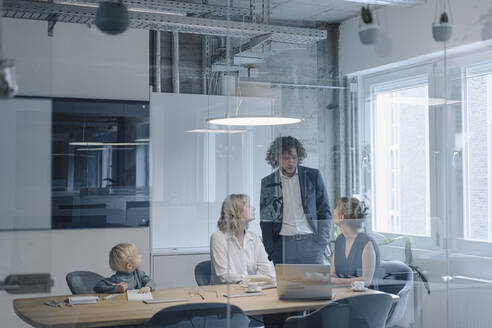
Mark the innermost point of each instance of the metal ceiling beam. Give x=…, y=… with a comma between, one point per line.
x=245, y=47
x=171, y=6
x=37, y=10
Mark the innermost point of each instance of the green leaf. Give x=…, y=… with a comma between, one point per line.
x=366, y=15
x=421, y=276
x=408, y=251
x=390, y=240
x=444, y=18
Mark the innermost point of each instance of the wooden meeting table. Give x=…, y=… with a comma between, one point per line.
x=119, y=312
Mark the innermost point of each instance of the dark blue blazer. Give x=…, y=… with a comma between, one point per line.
x=314, y=203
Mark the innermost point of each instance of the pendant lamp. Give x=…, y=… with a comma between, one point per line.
x=257, y=120
x=112, y=17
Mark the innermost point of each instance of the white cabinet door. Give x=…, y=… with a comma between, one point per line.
x=25, y=179
x=192, y=172
x=78, y=61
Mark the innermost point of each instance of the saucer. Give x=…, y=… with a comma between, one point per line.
x=359, y=290
x=253, y=290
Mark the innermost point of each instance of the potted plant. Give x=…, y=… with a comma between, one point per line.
x=368, y=30
x=442, y=28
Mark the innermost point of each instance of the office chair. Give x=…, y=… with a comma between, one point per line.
x=398, y=280
x=203, y=272
x=203, y=315
x=333, y=315
x=374, y=308
x=82, y=282
x=362, y=311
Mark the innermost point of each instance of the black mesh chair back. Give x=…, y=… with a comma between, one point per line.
x=203, y=272
x=398, y=280
x=374, y=308
x=82, y=282
x=334, y=315
x=203, y=315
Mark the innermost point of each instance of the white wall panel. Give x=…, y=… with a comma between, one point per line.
x=193, y=172
x=173, y=271
x=407, y=33
x=25, y=179
x=78, y=61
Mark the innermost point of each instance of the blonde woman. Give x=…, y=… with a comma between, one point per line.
x=356, y=255
x=235, y=252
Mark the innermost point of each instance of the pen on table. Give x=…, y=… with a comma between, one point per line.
x=110, y=297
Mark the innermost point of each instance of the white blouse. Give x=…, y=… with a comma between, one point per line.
x=243, y=261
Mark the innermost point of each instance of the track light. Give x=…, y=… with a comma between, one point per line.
x=112, y=17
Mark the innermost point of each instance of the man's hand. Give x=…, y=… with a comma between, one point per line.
x=144, y=290
x=120, y=287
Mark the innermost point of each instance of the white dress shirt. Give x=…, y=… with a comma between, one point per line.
x=293, y=219
x=243, y=261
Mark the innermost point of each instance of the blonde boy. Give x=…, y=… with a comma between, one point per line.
x=125, y=260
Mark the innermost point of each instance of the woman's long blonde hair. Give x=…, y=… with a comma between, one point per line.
x=232, y=209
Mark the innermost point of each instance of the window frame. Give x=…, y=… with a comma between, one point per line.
x=479, y=67
x=449, y=203
x=366, y=103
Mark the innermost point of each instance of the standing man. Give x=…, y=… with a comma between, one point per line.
x=294, y=211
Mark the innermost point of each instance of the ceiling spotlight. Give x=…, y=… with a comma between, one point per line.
x=112, y=17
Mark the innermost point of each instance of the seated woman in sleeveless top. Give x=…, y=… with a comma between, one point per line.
x=356, y=256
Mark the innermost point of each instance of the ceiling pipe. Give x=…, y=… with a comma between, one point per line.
x=175, y=62
x=266, y=11
x=205, y=63
x=157, y=61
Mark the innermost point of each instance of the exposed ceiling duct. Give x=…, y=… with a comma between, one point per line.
x=149, y=16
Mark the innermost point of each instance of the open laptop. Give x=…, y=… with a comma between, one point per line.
x=303, y=281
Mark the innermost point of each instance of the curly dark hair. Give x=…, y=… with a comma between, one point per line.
x=283, y=145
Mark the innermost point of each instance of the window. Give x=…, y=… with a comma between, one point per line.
x=426, y=167
x=400, y=144
x=477, y=154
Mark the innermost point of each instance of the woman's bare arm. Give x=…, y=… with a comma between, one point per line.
x=368, y=268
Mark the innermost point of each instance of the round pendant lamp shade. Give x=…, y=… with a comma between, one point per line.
x=253, y=120
x=112, y=17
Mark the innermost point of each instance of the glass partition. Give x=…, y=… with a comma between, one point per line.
x=119, y=175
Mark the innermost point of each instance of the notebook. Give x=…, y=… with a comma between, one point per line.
x=134, y=295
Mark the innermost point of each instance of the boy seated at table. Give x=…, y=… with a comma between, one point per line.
x=125, y=260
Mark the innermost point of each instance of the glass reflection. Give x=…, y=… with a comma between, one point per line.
x=100, y=166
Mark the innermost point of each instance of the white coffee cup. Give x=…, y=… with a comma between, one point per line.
x=358, y=285
x=253, y=287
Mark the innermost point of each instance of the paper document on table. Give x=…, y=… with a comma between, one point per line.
x=83, y=299
x=134, y=295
